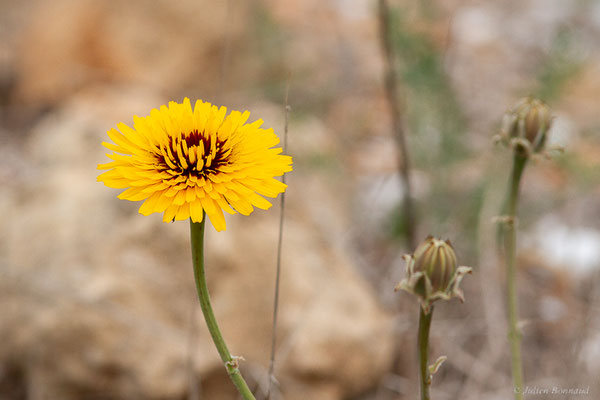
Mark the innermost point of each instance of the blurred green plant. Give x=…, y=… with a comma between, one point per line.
x=435, y=118
x=560, y=66
x=269, y=41
x=585, y=175
x=436, y=126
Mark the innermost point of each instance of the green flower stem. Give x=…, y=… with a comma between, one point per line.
x=510, y=237
x=231, y=364
x=423, y=344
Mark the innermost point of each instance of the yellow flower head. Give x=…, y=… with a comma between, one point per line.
x=186, y=162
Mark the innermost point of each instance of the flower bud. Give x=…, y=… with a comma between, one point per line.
x=437, y=260
x=526, y=125
x=433, y=272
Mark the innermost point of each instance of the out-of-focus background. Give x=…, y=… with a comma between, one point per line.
x=98, y=302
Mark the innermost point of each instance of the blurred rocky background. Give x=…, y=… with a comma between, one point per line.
x=98, y=302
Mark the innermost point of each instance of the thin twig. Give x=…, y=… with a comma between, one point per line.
x=391, y=89
x=279, y=245
x=225, y=51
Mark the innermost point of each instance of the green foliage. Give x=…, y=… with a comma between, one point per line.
x=434, y=116
x=435, y=126
x=560, y=66
x=269, y=40
x=584, y=173
x=396, y=227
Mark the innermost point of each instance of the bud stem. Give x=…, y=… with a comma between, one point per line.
x=197, y=239
x=423, y=344
x=510, y=243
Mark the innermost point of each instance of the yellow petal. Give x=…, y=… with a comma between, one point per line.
x=183, y=213
x=217, y=219
x=224, y=205
x=147, y=207
x=196, y=211
x=258, y=201
x=162, y=203
x=242, y=206
x=116, y=148
x=133, y=194
x=170, y=212
x=190, y=194
x=208, y=205
x=121, y=140
x=179, y=198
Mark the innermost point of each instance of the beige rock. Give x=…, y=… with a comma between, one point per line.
x=164, y=45
x=100, y=297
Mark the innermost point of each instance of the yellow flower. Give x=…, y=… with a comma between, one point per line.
x=185, y=162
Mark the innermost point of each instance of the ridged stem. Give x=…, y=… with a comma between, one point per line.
x=423, y=345
x=510, y=237
x=231, y=363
